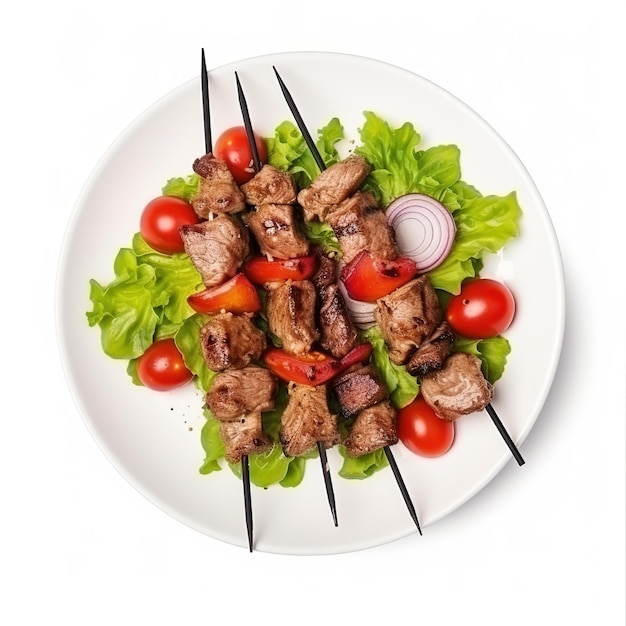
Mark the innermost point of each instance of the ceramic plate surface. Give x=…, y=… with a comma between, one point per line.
x=153, y=439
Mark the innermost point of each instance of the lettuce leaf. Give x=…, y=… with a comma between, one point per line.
x=146, y=299
x=288, y=150
x=185, y=188
x=362, y=466
x=492, y=352
x=402, y=387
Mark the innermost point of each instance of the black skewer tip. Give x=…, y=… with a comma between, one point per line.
x=327, y=481
x=243, y=105
x=247, y=499
x=402, y=486
x=300, y=122
x=206, y=109
x=505, y=435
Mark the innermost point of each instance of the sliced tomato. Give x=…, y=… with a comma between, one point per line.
x=237, y=295
x=261, y=270
x=367, y=278
x=161, y=366
x=232, y=147
x=313, y=368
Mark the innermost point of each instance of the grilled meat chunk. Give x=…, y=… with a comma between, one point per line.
x=275, y=228
x=358, y=390
x=407, y=317
x=337, y=333
x=458, y=388
x=360, y=224
x=231, y=341
x=307, y=420
x=270, y=186
x=291, y=314
x=216, y=247
x=333, y=186
x=244, y=436
x=238, y=392
x=217, y=190
x=433, y=352
x=373, y=429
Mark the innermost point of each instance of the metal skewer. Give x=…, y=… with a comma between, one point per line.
x=311, y=144
x=257, y=167
x=245, y=467
x=320, y=162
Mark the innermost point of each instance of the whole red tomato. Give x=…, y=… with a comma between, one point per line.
x=422, y=431
x=161, y=221
x=232, y=147
x=484, y=308
x=161, y=366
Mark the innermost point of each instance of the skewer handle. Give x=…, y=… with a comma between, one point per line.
x=300, y=122
x=402, y=486
x=327, y=481
x=245, y=477
x=505, y=435
x=206, y=109
x=243, y=105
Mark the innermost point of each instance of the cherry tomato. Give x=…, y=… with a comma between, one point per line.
x=237, y=295
x=161, y=221
x=422, y=431
x=484, y=308
x=367, y=278
x=259, y=270
x=232, y=147
x=161, y=366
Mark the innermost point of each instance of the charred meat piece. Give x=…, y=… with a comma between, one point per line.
x=433, y=352
x=238, y=392
x=373, y=429
x=359, y=390
x=244, y=436
x=275, y=228
x=216, y=247
x=360, y=224
x=291, y=314
x=407, y=317
x=217, y=190
x=307, y=420
x=333, y=186
x=337, y=333
x=270, y=186
x=458, y=388
x=231, y=342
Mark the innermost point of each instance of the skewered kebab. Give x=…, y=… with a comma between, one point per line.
x=229, y=342
x=359, y=224
x=306, y=421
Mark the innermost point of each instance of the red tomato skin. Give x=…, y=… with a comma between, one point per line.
x=161, y=366
x=484, y=308
x=161, y=220
x=259, y=270
x=367, y=278
x=422, y=431
x=232, y=147
x=237, y=295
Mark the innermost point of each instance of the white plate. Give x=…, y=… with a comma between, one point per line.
x=154, y=438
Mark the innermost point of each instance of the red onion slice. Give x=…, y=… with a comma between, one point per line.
x=424, y=229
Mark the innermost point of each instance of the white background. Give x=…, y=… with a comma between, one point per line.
x=541, y=544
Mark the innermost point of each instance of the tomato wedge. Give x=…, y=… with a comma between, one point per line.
x=367, y=278
x=261, y=270
x=237, y=295
x=313, y=368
